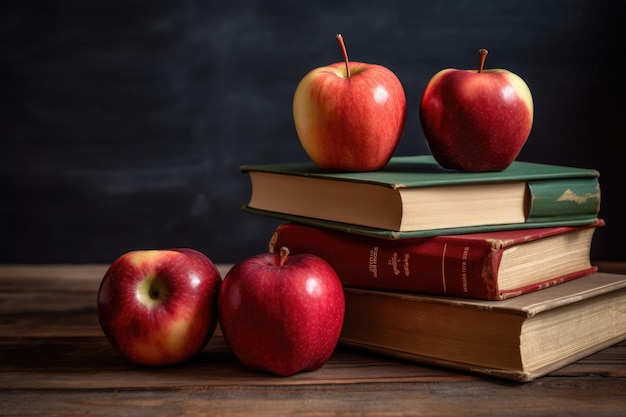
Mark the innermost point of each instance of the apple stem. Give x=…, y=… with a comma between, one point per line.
x=483, y=56
x=344, y=52
x=284, y=253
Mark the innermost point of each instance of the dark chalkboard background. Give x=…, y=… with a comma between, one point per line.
x=123, y=123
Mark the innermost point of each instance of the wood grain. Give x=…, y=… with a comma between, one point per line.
x=55, y=360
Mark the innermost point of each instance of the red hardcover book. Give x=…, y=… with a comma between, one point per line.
x=489, y=265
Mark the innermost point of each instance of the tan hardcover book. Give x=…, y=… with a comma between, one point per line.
x=520, y=338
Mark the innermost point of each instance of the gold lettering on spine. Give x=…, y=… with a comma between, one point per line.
x=405, y=262
x=393, y=263
x=464, y=268
x=373, y=262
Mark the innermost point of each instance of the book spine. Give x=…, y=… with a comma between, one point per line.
x=556, y=200
x=453, y=267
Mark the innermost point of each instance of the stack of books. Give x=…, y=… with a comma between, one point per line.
x=485, y=272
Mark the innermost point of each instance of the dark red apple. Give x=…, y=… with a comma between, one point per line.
x=282, y=314
x=476, y=120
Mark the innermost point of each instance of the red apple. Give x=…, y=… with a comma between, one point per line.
x=282, y=314
x=476, y=120
x=159, y=307
x=349, y=116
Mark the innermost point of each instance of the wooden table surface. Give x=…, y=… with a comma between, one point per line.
x=55, y=360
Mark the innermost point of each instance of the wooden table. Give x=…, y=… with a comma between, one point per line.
x=54, y=360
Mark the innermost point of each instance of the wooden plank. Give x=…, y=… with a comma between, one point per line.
x=65, y=273
x=61, y=272
x=616, y=267
x=551, y=397
x=91, y=363
x=55, y=360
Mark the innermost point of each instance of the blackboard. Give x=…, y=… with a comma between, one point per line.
x=124, y=123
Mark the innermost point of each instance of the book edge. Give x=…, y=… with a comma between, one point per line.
x=310, y=170
x=547, y=283
x=528, y=305
x=509, y=374
x=394, y=234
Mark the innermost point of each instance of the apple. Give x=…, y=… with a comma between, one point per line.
x=159, y=307
x=349, y=116
x=282, y=314
x=476, y=120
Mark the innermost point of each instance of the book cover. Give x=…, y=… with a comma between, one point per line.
x=521, y=338
x=396, y=235
x=414, y=195
x=490, y=265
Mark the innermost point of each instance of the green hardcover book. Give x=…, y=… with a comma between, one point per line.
x=414, y=196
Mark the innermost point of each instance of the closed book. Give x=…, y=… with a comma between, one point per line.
x=489, y=265
x=521, y=338
x=413, y=196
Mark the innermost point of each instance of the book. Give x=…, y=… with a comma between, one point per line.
x=521, y=338
x=413, y=196
x=488, y=265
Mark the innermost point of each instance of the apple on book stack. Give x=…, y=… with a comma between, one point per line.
x=467, y=258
